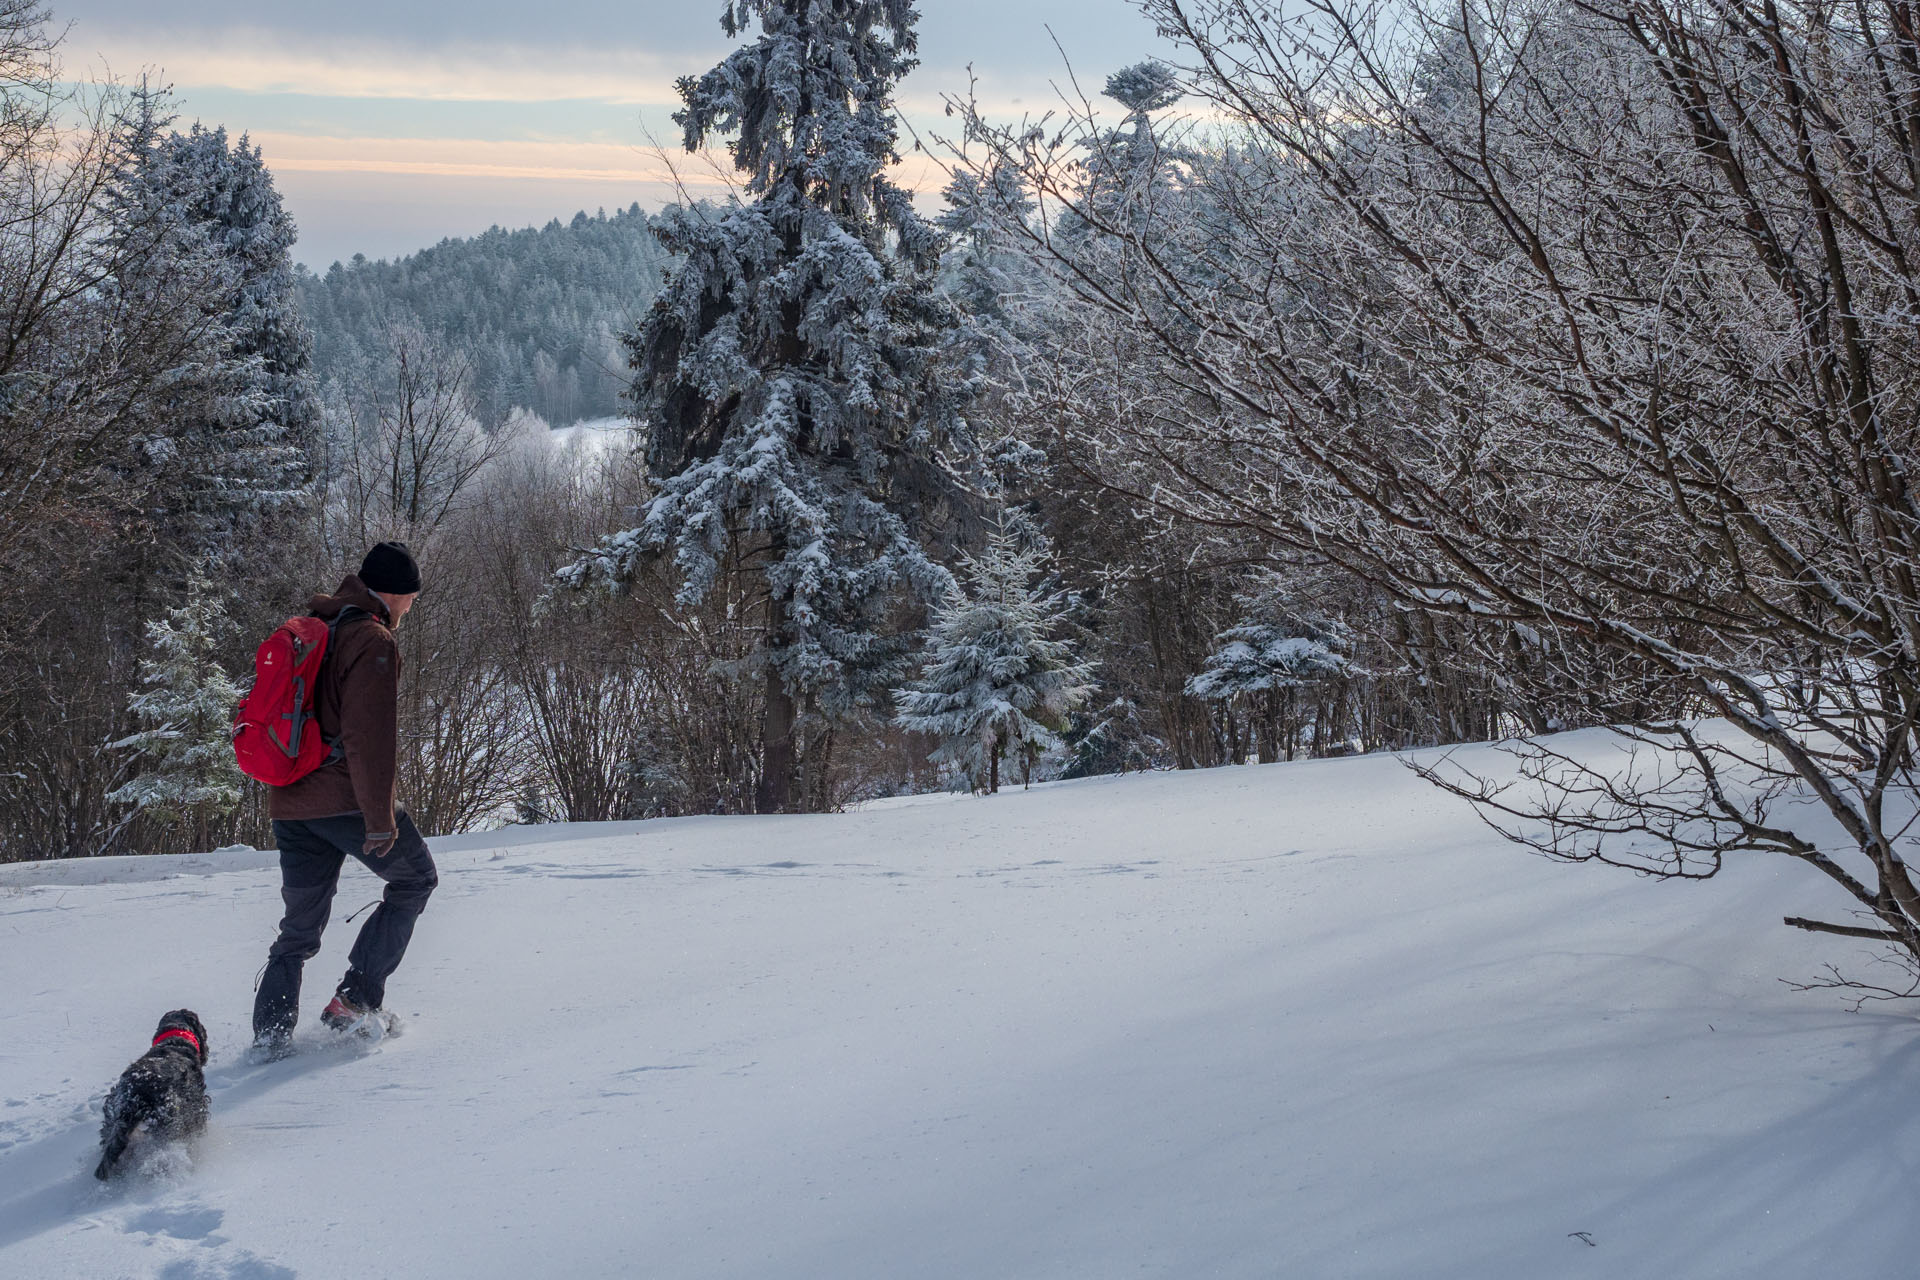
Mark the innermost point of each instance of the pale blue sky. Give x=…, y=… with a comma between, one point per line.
x=392, y=123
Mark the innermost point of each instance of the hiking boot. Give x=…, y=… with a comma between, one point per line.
x=342, y=1014
x=270, y=1046
x=348, y=1019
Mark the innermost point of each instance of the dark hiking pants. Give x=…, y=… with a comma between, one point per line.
x=311, y=855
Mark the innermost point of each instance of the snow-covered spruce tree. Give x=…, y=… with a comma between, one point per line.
x=187, y=783
x=996, y=681
x=788, y=378
x=1143, y=88
x=1265, y=661
x=236, y=443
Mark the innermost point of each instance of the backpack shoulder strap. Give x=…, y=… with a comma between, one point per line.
x=337, y=752
x=346, y=615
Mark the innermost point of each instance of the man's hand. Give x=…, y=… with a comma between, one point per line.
x=378, y=844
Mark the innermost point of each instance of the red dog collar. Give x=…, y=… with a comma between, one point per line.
x=180, y=1033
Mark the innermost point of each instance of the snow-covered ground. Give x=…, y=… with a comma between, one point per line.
x=1300, y=1021
x=593, y=433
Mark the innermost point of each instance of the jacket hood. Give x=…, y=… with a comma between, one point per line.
x=352, y=594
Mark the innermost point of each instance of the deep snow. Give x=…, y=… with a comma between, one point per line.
x=1302, y=1021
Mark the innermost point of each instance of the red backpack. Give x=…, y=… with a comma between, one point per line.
x=275, y=739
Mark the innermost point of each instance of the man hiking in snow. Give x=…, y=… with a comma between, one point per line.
x=346, y=808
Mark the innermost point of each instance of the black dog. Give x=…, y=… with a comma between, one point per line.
x=163, y=1096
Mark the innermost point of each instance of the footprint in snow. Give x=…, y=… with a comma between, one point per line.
x=212, y=1256
x=182, y=1222
x=244, y=1267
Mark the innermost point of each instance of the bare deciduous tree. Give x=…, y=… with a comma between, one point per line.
x=1588, y=328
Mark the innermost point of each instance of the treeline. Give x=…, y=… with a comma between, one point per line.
x=538, y=312
x=859, y=545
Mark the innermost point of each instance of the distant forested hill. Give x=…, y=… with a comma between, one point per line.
x=537, y=312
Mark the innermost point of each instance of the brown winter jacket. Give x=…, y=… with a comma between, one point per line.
x=356, y=706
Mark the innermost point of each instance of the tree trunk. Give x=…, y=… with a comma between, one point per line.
x=816, y=765
x=993, y=769
x=775, y=792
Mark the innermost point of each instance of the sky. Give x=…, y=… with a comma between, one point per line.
x=391, y=124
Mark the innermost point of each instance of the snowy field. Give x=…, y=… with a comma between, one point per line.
x=1298, y=1021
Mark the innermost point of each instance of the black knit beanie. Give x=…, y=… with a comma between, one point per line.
x=389, y=568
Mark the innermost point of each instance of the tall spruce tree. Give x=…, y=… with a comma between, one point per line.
x=787, y=377
x=235, y=441
x=232, y=198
